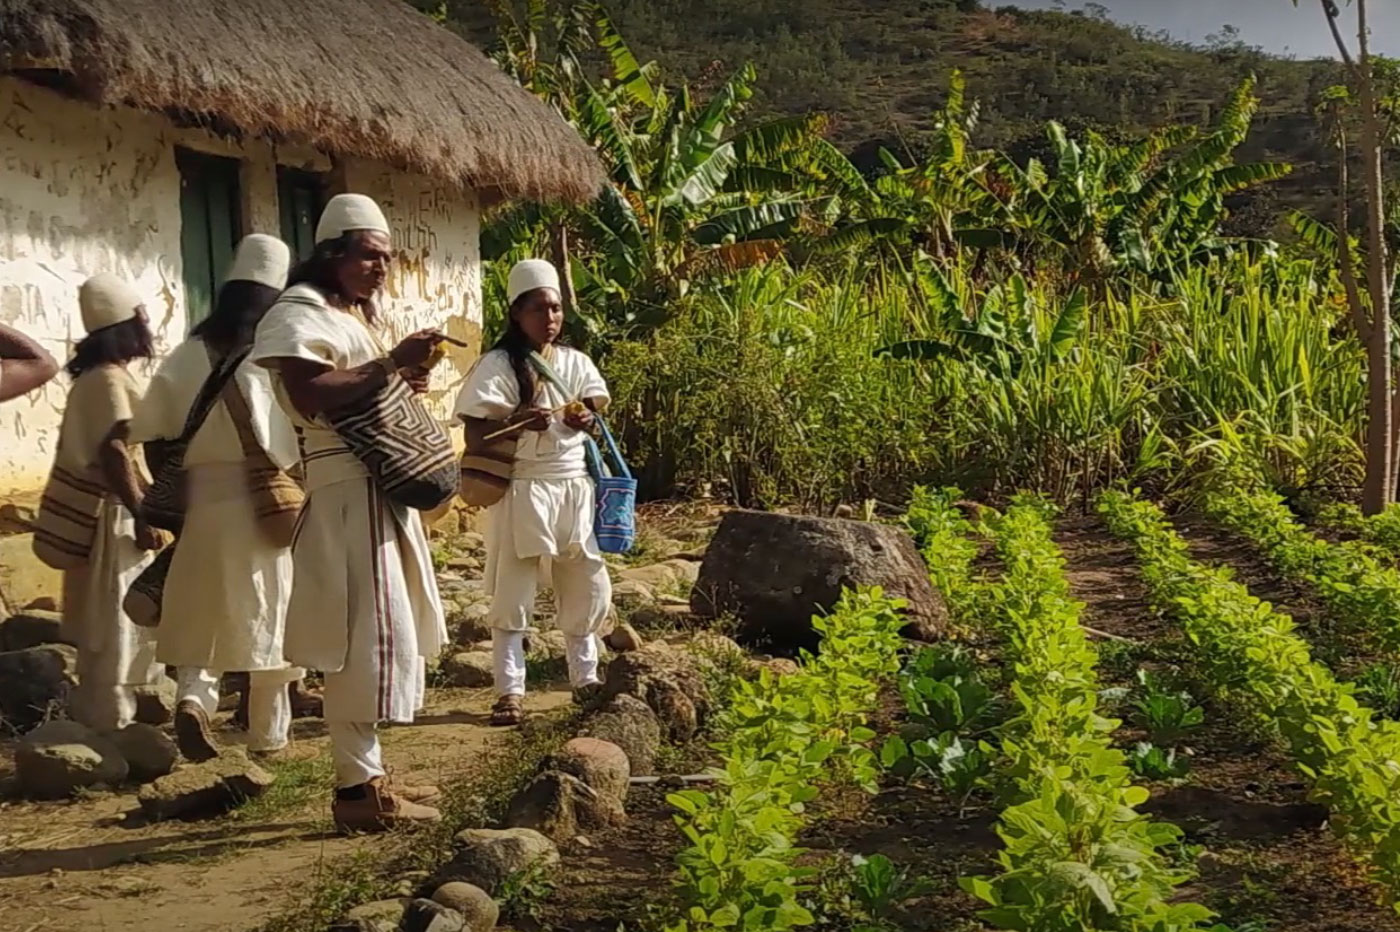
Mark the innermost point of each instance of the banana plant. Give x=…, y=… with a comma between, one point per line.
x=689, y=195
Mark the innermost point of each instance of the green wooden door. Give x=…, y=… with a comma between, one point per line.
x=300, y=197
x=210, y=226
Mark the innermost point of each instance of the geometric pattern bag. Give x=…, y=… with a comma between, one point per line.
x=277, y=498
x=408, y=454
x=143, y=599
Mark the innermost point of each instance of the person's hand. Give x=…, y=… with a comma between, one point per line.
x=147, y=537
x=417, y=380
x=579, y=418
x=413, y=350
x=536, y=419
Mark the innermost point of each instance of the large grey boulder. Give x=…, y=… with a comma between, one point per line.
x=35, y=683
x=600, y=764
x=487, y=857
x=774, y=572
x=205, y=789
x=58, y=758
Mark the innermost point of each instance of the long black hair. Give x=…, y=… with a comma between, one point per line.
x=517, y=346
x=118, y=344
x=223, y=328
x=318, y=270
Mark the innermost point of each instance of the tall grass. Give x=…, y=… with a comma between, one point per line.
x=766, y=387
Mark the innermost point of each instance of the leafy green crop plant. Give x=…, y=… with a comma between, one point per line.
x=1358, y=588
x=783, y=737
x=1077, y=855
x=1249, y=652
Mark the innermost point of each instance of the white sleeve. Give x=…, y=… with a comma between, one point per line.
x=591, y=382
x=164, y=408
x=293, y=330
x=490, y=391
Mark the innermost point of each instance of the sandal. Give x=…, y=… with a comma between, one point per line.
x=508, y=711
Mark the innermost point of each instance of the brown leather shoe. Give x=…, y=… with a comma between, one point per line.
x=192, y=734
x=379, y=810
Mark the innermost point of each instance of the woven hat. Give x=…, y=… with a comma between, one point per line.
x=347, y=212
x=529, y=275
x=262, y=259
x=105, y=300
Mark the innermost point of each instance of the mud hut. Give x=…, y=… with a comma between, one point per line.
x=145, y=137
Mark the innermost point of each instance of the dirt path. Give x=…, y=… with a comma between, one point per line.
x=95, y=863
x=1268, y=856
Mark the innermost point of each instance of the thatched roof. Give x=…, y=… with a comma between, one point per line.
x=367, y=78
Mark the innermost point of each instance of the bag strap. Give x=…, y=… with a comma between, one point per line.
x=543, y=367
x=204, y=402
x=595, y=459
x=242, y=418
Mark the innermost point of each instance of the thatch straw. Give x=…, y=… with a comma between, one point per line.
x=366, y=78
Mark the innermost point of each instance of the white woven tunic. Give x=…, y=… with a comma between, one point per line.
x=365, y=607
x=225, y=605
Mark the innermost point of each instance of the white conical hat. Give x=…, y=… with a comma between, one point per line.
x=346, y=212
x=105, y=300
x=529, y=275
x=263, y=259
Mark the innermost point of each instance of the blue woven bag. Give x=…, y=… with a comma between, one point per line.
x=615, y=491
x=615, y=495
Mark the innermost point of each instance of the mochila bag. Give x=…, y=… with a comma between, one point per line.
x=488, y=462
x=143, y=600
x=66, y=526
x=163, y=505
x=407, y=453
x=615, y=495
x=615, y=491
x=277, y=498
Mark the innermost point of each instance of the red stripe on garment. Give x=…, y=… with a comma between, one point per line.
x=384, y=635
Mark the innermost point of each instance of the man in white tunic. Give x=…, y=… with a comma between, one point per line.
x=225, y=601
x=545, y=519
x=365, y=607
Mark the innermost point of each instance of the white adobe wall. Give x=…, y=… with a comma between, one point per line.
x=86, y=190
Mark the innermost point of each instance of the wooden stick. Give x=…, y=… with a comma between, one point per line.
x=453, y=340
x=514, y=427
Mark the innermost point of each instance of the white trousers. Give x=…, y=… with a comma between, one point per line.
x=356, y=753
x=269, y=705
x=582, y=592
x=508, y=649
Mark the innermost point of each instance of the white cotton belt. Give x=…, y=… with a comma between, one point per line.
x=551, y=469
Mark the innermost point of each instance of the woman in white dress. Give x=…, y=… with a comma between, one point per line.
x=365, y=606
x=225, y=601
x=114, y=655
x=545, y=519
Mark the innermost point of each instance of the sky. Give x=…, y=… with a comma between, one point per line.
x=1273, y=24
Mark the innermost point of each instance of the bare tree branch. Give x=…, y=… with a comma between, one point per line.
x=1330, y=10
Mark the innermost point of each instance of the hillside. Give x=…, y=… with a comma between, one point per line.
x=879, y=68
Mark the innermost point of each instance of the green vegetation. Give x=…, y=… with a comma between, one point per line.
x=1076, y=855
x=783, y=737
x=1362, y=591
x=1249, y=652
